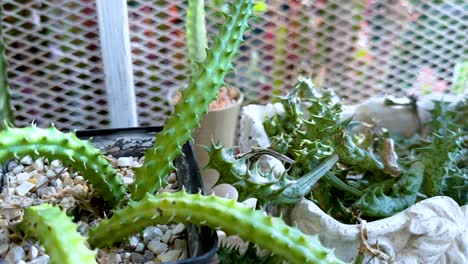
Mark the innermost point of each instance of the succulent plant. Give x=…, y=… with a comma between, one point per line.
x=55, y=230
x=232, y=217
x=53, y=144
x=57, y=233
x=201, y=91
x=6, y=111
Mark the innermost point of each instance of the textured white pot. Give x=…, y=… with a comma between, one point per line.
x=431, y=231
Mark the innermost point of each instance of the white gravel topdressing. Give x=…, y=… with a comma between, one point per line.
x=30, y=182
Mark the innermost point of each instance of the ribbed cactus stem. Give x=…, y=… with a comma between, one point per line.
x=80, y=154
x=201, y=91
x=232, y=217
x=196, y=31
x=57, y=233
x=6, y=110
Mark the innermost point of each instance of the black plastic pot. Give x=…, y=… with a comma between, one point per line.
x=202, y=242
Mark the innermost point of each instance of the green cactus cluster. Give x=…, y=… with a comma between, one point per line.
x=364, y=182
x=138, y=207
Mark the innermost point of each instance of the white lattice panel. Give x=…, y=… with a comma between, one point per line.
x=359, y=47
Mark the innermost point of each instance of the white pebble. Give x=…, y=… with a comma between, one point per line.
x=57, y=183
x=26, y=160
x=21, y=262
x=4, y=248
x=179, y=228
x=46, y=191
x=150, y=262
x=127, y=180
x=50, y=174
x=40, y=260
x=157, y=246
x=22, y=177
x=15, y=254
x=166, y=237
x=4, y=236
x=130, y=174
x=135, y=164
x=151, y=232
x=39, y=164
x=140, y=247
x=41, y=179
x=24, y=188
x=67, y=181
x=134, y=241
x=18, y=169
x=33, y=252
x=124, y=161
x=54, y=164
x=171, y=255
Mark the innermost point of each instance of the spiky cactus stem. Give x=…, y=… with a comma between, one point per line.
x=201, y=91
x=196, y=32
x=80, y=154
x=232, y=217
x=57, y=233
x=6, y=110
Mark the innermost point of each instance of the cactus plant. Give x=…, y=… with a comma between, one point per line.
x=45, y=222
x=51, y=143
x=6, y=111
x=232, y=217
x=202, y=89
x=57, y=233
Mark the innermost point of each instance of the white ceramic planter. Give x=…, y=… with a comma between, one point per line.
x=431, y=231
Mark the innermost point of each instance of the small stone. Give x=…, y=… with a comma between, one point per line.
x=21, y=262
x=137, y=258
x=151, y=232
x=40, y=260
x=172, y=178
x=180, y=244
x=140, y=247
x=57, y=183
x=11, y=165
x=127, y=255
x=41, y=180
x=26, y=160
x=22, y=177
x=46, y=191
x=4, y=248
x=149, y=255
x=127, y=180
x=130, y=174
x=179, y=228
x=157, y=246
x=80, y=180
x=55, y=164
x=135, y=164
x=114, y=258
x=124, y=161
x=67, y=181
x=38, y=164
x=33, y=252
x=15, y=254
x=162, y=227
x=24, y=188
x=150, y=262
x=4, y=236
x=134, y=241
x=18, y=169
x=50, y=174
x=171, y=255
x=166, y=237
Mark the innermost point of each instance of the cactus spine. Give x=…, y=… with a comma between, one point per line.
x=6, y=111
x=268, y=232
x=202, y=89
x=53, y=144
x=57, y=233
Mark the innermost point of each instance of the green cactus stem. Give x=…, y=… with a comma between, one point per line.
x=53, y=144
x=201, y=91
x=6, y=110
x=232, y=217
x=57, y=233
x=196, y=31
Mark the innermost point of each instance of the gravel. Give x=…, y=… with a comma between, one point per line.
x=30, y=182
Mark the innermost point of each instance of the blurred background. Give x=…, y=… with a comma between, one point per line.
x=359, y=48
